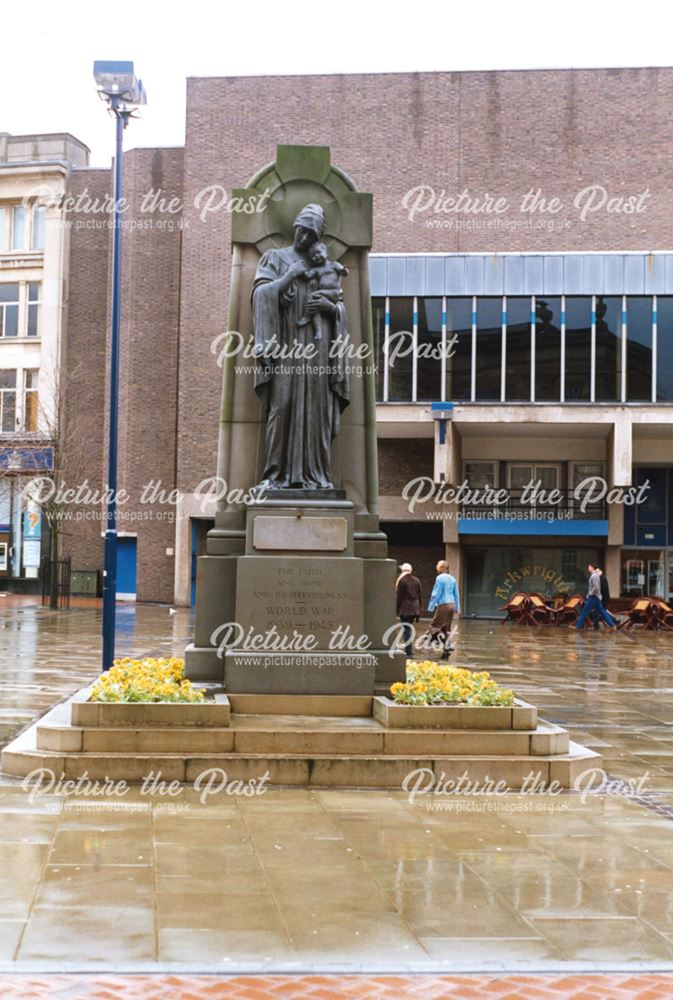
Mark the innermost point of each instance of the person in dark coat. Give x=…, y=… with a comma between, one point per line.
x=408, y=589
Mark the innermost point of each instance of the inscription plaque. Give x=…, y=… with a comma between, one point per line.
x=301, y=596
x=324, y=534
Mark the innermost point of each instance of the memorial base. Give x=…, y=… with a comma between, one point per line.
x=295, y=602
x=302, y=740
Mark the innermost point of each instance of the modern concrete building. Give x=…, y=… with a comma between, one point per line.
x=34, y=178
x=522, y=278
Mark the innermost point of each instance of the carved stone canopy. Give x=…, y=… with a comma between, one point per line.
x=303, y=174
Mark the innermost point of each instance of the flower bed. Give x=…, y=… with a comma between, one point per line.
x=146, y=680
x=430, y=683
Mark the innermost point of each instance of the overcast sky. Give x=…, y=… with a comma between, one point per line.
x=49, y=47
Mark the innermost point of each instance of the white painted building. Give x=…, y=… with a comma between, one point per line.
x=34, y=172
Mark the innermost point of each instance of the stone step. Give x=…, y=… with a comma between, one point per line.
x=283, y=734
x=22, y=757
x=71, y=739
x=351, y=705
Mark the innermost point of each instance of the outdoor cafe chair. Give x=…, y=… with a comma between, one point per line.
x=539, y=612
x=517, y=609
x=641, y=612
x=570, y=611
x=662, y=614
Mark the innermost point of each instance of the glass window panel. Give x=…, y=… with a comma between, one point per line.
x=30, y=400
x=665, y=348
x=458, y=348
x=378, y=323
x=642, y=573
x=18, y=228
x=580, y=472
x=400, y=349
x=578, y=349
x=37, y=235
x=639, y=348
x=608, y=347
x=11, y=321
x=7, y=400
x=517, y=376
x=30, y=418
x=9, y=293
x=480, y=475
x=429, y=365
x=33, y=319
x=489, y=348
x=33, y=291
x=8, y=411
x=5, y=501
x=548, y=349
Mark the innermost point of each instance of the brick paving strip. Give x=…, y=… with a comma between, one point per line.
x=571, y=986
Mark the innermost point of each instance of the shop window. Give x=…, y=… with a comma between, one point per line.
x=494, y=573
x=643, y=573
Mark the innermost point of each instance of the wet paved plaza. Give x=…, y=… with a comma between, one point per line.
x=352, y=880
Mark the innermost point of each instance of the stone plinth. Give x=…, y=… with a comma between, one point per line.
x=299, y=673
x=295, y=612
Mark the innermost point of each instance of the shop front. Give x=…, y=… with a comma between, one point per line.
x=647, y=554
x=493, y=573
x=23, y=527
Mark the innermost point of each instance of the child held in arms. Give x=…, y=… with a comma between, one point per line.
x=324, y=277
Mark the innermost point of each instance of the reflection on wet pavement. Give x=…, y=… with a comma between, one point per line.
x=46, y=655
x=357, y=879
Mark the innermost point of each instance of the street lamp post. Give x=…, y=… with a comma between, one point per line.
x=123, y=93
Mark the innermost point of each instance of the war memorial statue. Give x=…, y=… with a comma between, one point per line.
x=300, y=567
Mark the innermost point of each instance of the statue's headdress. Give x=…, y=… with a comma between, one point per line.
x=311, y=217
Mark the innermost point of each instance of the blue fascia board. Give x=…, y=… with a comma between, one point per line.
x=514, y=526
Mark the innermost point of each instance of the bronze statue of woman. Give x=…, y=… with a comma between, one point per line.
x=303, y=388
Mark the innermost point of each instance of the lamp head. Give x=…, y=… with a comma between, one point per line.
x=116, y=79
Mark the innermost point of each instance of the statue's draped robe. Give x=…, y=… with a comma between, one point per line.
x=303, y=396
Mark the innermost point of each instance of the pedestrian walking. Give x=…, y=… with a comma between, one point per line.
x=605, y=597
x=445, y=602
x=594, y=602
x=409, y=596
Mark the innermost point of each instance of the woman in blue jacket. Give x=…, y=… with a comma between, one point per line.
x=445, y=602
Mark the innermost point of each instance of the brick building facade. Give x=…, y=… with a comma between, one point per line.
x=600, y=142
